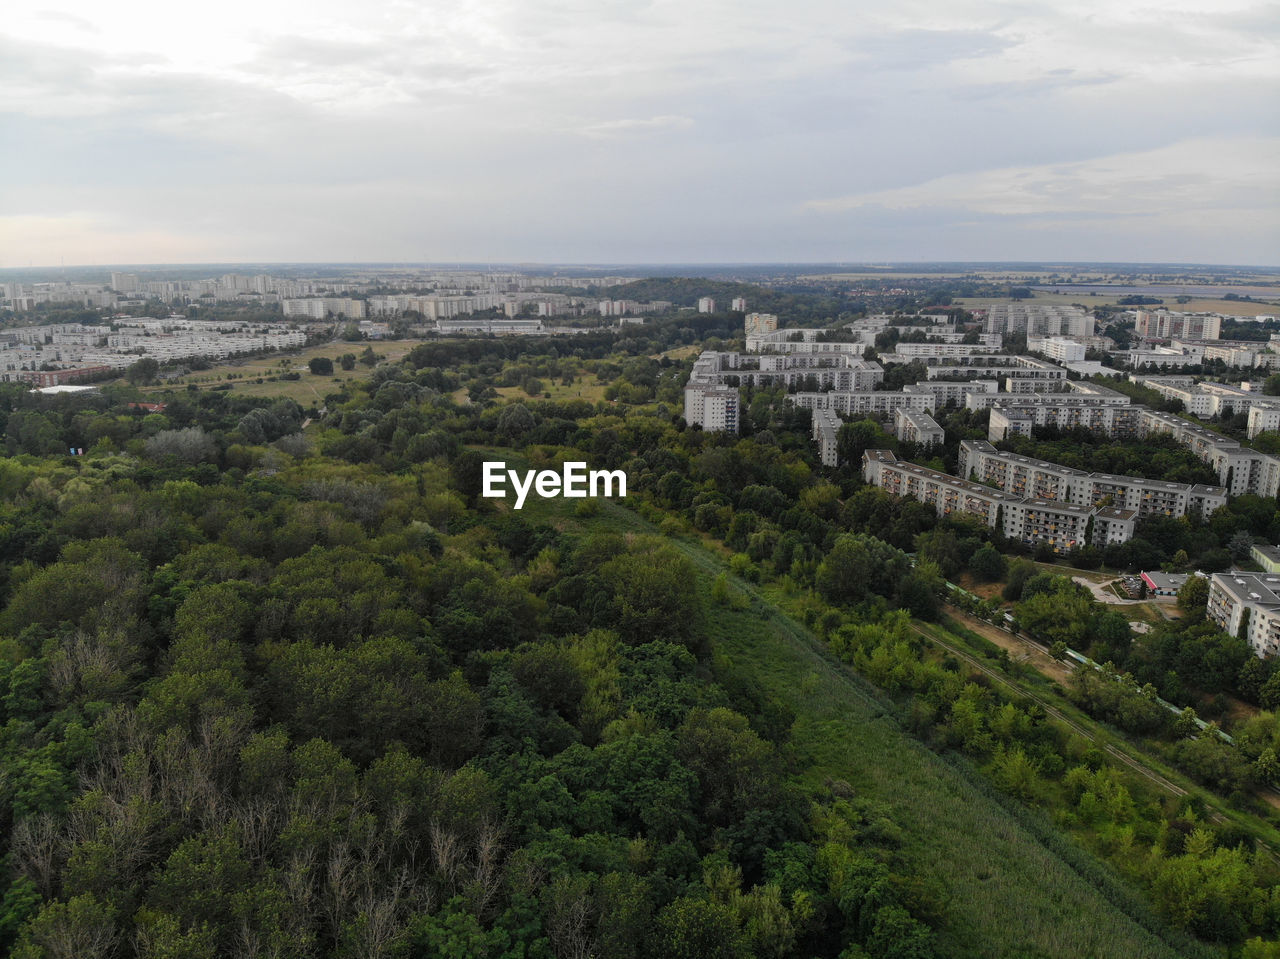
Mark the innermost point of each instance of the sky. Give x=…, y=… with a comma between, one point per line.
x=621, y=131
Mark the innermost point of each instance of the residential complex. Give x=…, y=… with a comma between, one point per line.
x=1036, y=319
x=48, y=355
x=1239, y=469
x=1024, y=476
x=1031, y=521
x=1247, y=605
x=797, y=341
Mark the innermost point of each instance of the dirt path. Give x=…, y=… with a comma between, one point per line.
x=1016, y=646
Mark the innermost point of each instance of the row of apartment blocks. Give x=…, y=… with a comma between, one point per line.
x=1032, y=521
x=1038, y=319
x=1023, y=476
x=73, y=353
x=1218, y=399
x=1251, y=601
x=1007, y=366
x=716, y=374
x=773, y=340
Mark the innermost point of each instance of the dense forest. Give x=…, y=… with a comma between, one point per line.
x=267, y=692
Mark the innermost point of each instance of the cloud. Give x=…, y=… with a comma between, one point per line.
x=1189, y=175
x=635, y=126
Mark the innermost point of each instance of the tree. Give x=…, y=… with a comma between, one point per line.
x=143, y=371
x=858, y=565
x=987, y=564
x=1194, y=595
x=347, y=361
x=320, y=365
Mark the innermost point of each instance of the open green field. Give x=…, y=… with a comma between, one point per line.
x=307, y=390
x=1012, y=885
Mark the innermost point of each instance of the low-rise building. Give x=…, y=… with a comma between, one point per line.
x=1268, y=557
x=1164, y=585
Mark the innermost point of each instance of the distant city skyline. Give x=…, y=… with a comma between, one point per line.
x=526, y=131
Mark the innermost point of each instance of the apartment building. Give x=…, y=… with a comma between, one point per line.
x=1239, y=469
x=320, y=308
x=1025, y=476
x=920, y=350
x=711, y=407
x=1263, y=419
x=914, y=426
x=1057, y=348
x=1247, y=603
x=864, y=402
x=826, y=429
x=1038, y=319
x=835, y=371
x=758, y=322
x=951, y=393
x=1032, y=521
x=981, y=365
x=1167, y=324
x=797, y=341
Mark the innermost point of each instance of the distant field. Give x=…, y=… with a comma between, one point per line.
x=1086, y=299
x=307, y=390
x=586, y=387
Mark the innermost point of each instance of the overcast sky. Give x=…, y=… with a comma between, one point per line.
x=627, y=131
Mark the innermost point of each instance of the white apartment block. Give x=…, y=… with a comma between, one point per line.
x=826, y=429
x=1019, y=414
x=998, y=365
x=500, y=326
x=1240, y=470
x=1025, y=476
x=1057, y=348
x=1166, y=325
x=1211, y=399
x=1162, y=356
x=1263, y=419
x=738, y=304
x=797, y=341
x=711, y=407
x=706, y=304
x=758, y=322
x=951, y=393
x=837, y=371
x=320, y=308
x=1031, y=521
x=920, y=350
x=1035, y=319
x=913, y=426
x=1251, y=599
x=864, y=402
